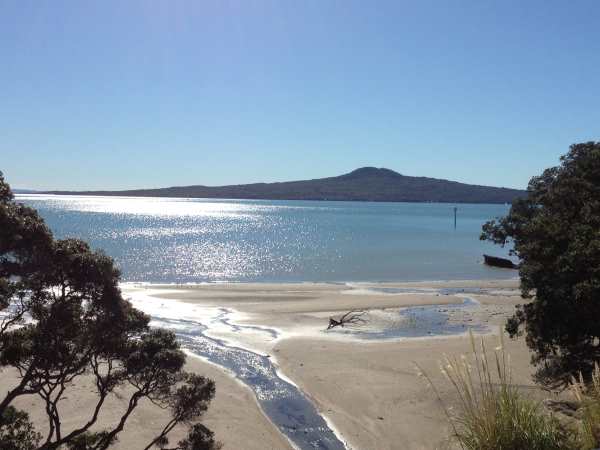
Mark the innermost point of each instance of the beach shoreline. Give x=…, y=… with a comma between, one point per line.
x=363, y=384
x=368, y=390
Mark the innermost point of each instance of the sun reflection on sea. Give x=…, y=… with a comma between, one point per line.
x=195, y=240
x=151, y=206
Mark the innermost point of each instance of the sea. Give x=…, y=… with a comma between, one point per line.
x=172, y=240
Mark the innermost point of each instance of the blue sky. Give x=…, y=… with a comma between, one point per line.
x=121, y=94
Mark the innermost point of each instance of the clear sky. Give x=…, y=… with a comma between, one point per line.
x=120, y=94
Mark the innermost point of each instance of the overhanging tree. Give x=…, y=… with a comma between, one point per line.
x=555, y=232
x=63, y=317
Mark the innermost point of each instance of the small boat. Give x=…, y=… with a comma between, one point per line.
x=499, y=262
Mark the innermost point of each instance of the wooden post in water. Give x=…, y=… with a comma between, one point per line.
x=455, y=208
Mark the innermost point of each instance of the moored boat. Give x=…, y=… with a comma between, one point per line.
x=496, y=261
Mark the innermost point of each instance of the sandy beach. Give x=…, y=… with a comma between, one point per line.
x=233, y=415
x=368, y=389
x=364, y=383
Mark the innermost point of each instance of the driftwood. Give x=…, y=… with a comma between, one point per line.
x=352, y=317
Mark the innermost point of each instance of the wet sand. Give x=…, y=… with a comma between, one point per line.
x=372, y=392
x=367, y=389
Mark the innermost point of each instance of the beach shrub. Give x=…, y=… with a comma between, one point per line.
x=62, y=317
x=491, y=413
x=588, y=396
x=555, y=233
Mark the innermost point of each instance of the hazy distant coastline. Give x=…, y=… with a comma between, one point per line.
x=364, y=184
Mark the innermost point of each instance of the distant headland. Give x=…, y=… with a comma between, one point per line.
x=364, y=184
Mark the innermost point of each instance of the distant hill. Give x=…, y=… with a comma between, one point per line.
x=364, y=184
x=24, y=191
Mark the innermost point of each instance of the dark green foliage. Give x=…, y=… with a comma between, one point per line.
x=79, y=324
x=365, y=184
x=24, y=238
x=556, y=235
x=16, y=432
x=199, y=438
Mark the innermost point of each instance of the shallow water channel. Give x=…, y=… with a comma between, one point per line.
x=426, y=320
x=285, y=405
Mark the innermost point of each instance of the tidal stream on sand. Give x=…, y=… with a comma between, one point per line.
x=283, y=402
x=285, y=405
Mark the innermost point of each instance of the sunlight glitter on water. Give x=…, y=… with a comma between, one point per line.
x=148, y=206
x=195, y=240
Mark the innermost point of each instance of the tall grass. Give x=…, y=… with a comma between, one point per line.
x=588, y=396
x=491, y=413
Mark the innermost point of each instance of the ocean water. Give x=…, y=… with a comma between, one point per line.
x=198, y=240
